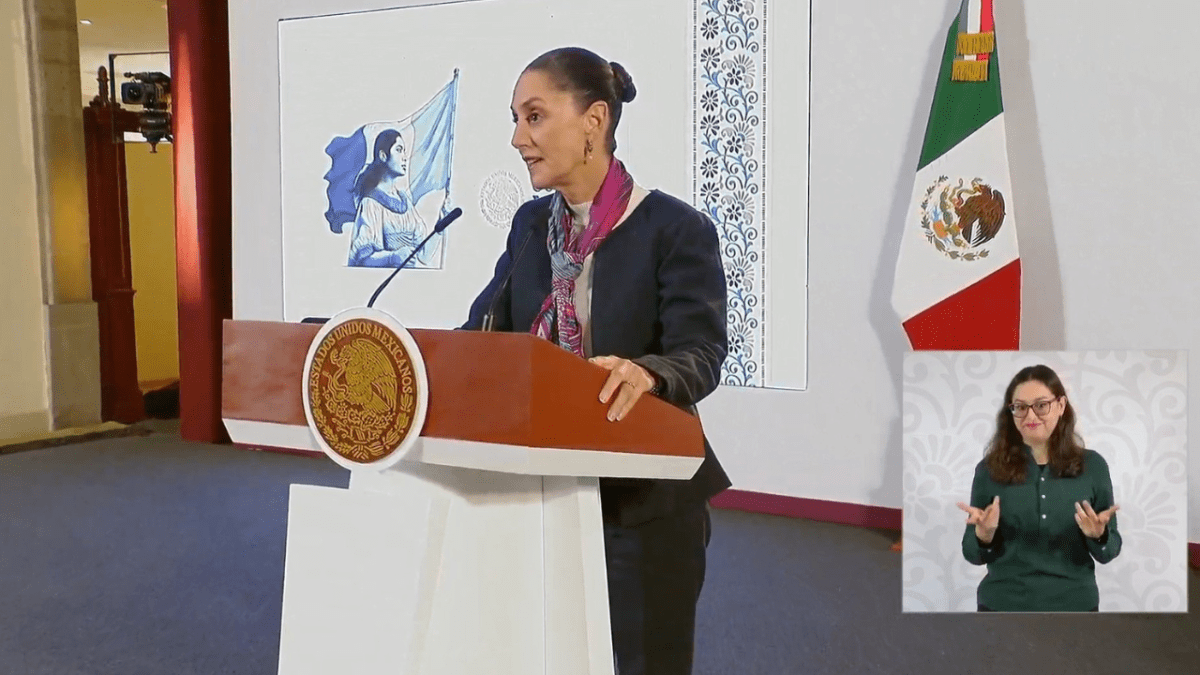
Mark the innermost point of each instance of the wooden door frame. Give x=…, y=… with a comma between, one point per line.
x=104, y=126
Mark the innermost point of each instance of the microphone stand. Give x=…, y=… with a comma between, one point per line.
x=391, y=276
x=489, y=319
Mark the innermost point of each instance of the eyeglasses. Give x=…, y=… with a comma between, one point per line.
x=1039, y=407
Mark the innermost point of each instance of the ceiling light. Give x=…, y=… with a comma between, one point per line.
x=85, y=22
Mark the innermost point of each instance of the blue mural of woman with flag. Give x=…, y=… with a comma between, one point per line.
x=384, y=194
x=387, y=227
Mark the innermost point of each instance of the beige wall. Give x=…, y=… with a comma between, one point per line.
x=152, y=250
x=58, y=137
x=23, y=362
x=49, y=334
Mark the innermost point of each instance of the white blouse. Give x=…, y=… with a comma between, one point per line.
x=583, y=285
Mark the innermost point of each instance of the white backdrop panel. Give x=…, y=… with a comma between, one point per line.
x=1130, y=406
x=705, y=96
x=325, y=63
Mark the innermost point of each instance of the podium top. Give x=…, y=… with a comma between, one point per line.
x=500, y=388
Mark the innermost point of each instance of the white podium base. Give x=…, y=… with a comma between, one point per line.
x=432, y=570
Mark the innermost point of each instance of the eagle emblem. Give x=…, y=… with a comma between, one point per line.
x=362, y=392
x=960, y=219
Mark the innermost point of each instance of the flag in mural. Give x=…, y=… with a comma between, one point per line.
x=958, y=276
x=380, y=174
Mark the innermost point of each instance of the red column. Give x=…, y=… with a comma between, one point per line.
x=199, y=37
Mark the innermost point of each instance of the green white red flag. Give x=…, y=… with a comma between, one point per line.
x=958, y=276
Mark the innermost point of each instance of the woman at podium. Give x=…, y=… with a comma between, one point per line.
x=631, y=279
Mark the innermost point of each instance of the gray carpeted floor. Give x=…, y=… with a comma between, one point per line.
x=152, y=555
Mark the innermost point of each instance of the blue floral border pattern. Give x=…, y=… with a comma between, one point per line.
x=729, y=128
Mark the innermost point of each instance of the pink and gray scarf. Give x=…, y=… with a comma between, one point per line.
x=557, y=320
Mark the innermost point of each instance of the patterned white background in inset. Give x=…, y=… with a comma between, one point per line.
x=1131, y=407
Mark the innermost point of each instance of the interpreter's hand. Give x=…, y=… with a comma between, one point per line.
x=1093, y=524
x=627, y=380
x=985, y=520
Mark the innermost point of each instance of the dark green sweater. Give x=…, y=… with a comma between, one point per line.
x=1039, y=560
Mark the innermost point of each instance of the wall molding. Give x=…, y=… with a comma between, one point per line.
x=841, y=513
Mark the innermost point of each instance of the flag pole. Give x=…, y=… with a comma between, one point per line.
x=963, y=290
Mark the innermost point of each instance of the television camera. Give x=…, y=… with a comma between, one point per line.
x=152, y=91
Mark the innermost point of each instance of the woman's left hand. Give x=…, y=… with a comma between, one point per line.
x=627, y=380
x=1093, y=524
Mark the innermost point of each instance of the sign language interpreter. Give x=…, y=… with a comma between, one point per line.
x=1059, y=516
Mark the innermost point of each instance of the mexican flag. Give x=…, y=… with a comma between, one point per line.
x=958, y=277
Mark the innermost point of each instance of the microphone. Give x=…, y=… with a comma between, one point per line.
x=489, y=319
x=437, y=229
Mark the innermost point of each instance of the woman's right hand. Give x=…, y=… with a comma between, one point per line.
x=985, y=520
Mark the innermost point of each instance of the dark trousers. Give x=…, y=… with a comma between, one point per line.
x=982, y=608
x=655, y=572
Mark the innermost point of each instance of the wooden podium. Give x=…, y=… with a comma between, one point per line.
x=481, y=549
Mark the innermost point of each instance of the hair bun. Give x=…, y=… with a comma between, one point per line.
x=625, y=89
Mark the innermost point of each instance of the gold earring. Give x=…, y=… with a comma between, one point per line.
x=587, y=148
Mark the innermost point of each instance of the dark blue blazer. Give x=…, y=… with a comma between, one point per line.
x=658, y=299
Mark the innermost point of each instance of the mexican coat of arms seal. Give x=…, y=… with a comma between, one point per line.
x=960, y=218
x=362, y=392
